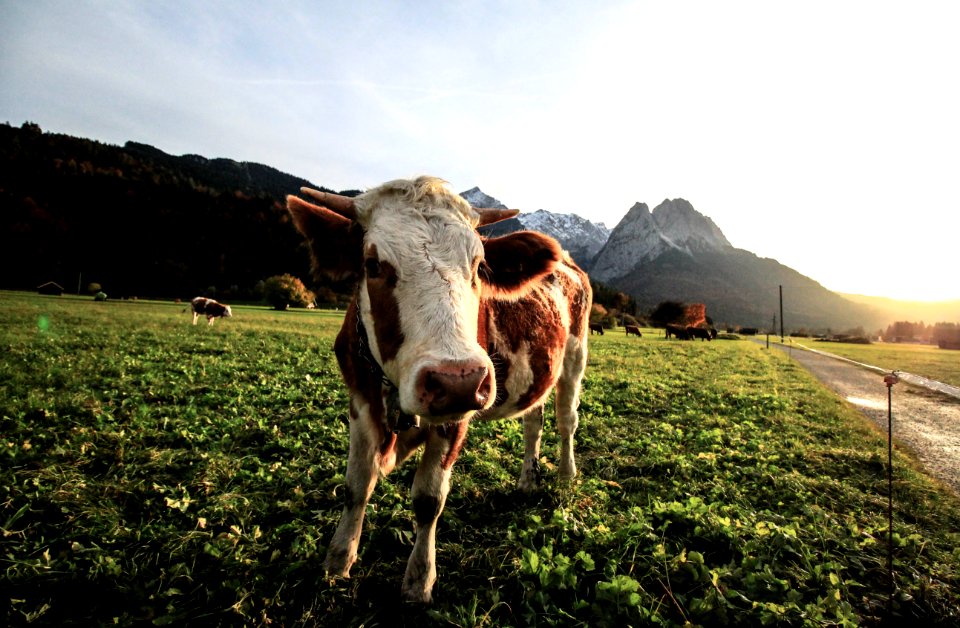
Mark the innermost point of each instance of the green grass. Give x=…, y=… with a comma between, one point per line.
x=930, y=361
x=159, y=473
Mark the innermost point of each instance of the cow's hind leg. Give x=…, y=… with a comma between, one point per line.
x=532, y=431
x=361, y=478
x=568, y=400
x=430, y=487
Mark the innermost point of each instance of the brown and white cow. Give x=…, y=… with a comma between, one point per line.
x=445, y=327
x=209, y=308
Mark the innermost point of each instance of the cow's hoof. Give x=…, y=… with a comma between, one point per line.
x=568, y=471
x=338, y=564
x=529, y=477
x=527, y=486
x=416, y=594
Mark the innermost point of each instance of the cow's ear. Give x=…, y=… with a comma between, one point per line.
x=336, y=243
x=515, y=261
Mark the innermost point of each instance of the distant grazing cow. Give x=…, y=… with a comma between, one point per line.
x=209, y=308
x=679, y=332
x=632, y=330
x=445, y=327
x=596, y=328
x=699, y=332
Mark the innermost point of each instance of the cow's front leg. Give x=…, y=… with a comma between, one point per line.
x=362, y=470
x=532, y=432
x=430, y=487
x=195, y=317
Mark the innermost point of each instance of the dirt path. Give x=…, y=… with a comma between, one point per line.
x=927, y=422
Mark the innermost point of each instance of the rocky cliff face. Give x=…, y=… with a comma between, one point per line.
x=632, y=241
x=687, y=229
x=642, y=236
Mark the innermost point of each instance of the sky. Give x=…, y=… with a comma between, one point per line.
x=823, y=134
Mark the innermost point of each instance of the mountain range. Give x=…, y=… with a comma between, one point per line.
x=139, y=221
x=676, y=253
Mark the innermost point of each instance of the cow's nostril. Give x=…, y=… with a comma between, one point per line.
x=483, y=391
x=434, y=390
x=432, y=384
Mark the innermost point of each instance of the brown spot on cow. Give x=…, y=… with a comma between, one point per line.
x=501, y=362
x=579, y=308
x=456, y=434
x=533, y=318
x=357, y=366
x=381, y=279
x=534, y=326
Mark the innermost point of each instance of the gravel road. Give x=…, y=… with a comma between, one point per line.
x=926, y=422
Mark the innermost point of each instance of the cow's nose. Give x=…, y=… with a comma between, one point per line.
x=455, y=386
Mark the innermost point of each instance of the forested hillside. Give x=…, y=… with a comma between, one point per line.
x=138, y=221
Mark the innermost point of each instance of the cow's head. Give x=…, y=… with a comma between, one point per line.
x=421, y=270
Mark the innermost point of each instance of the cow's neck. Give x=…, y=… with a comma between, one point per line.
x=395, y=419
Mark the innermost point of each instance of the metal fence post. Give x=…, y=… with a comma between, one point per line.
x=890, y=380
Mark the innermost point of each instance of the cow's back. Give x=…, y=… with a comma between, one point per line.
x=530, y=338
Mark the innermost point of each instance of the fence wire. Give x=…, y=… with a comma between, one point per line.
x=910, y=378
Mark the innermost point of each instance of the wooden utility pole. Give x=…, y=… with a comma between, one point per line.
x=781, y=314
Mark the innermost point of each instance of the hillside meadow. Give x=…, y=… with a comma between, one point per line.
x=157, y=473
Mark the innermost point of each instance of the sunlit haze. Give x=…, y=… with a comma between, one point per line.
x=822, y=134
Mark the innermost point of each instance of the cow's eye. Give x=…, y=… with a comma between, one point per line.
x=484, y=271
x=475, y=270
x=372, y=266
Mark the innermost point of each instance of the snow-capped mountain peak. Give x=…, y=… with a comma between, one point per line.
x=476, y=197
x=580, y=237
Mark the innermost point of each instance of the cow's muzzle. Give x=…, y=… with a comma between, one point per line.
x=454, y=387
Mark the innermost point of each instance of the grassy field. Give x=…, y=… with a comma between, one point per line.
x=940, y=364
x=160, y=473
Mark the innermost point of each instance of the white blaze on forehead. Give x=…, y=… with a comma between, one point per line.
x=428, y=236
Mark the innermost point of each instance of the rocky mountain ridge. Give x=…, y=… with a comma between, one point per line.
x=580, y=237
x=642, y=236
x=676, y=253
